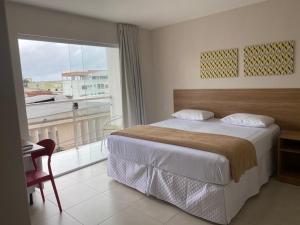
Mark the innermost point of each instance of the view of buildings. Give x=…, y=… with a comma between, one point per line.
x=74, y=85
x=34, y=88
x=57, y=119
x=87, y=83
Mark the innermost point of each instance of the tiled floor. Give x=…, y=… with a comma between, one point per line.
x=71, y=159
x=89, y=197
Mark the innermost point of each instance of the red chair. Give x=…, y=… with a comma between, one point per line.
x=36, y=176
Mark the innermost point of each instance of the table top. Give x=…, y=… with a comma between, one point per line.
x=35, y=147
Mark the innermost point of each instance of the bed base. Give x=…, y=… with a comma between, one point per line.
x=216, y=203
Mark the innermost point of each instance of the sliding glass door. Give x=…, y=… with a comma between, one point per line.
x=73, y=96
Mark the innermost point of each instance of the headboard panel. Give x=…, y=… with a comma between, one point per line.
x=281, y=104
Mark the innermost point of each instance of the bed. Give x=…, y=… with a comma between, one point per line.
x=199, y=182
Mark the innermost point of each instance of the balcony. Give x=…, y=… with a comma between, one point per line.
x=78, y=126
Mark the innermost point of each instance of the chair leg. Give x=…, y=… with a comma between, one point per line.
x=30, y=199
x=56, y=194
x=42, y=192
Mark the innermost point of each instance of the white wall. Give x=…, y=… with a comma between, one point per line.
x=30, y=20
x=176, y=50
x=13, y=207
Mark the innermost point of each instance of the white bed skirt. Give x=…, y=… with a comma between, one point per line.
x=216, y=203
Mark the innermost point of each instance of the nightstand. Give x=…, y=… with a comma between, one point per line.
x=289, y=157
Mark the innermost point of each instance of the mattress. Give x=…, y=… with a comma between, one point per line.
x=202, y=166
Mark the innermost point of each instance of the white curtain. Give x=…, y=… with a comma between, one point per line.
x=132, y=97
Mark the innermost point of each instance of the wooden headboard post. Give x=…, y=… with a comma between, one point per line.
x=281, y=104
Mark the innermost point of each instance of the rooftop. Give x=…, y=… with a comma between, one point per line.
x=62, y=109
x=85, y=73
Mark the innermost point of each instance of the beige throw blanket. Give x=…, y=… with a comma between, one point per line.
x=240, y=152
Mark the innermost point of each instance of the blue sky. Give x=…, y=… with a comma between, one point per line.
x=46, y=61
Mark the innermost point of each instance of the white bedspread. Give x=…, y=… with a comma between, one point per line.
x=198, y=165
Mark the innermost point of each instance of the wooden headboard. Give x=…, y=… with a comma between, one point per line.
x=281, y=104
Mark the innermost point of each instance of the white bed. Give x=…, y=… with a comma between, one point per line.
x=196, y=181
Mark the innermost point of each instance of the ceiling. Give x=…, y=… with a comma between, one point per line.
x=149, y=14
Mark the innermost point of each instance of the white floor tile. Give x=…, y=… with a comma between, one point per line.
x=131, y=217
x=156, y=209
x=88, y=172
x=184, y=218
x=40, y=211
x=277, y=204
x=61, y=219
x=96, y=209
x=73, y=195
x=61, y=183
x=123, y=193
x=100, y=183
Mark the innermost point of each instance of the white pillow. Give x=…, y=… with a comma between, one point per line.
x=193, y=114
x=248, y=120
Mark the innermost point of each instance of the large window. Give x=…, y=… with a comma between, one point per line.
x=72, y=91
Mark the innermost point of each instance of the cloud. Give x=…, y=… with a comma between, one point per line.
x=43, y=61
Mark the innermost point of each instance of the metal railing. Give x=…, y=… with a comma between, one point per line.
x=70, y=123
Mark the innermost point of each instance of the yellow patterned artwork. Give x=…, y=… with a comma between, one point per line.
x=269, y=59
x=219, y=64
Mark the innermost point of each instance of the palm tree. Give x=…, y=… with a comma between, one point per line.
x=26, y=82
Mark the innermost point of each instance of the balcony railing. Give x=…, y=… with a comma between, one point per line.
x=70, y=123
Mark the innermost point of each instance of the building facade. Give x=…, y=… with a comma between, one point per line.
x=85, y=83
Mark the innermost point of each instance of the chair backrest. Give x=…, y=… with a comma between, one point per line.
x=49, y=146
x=108, y=123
